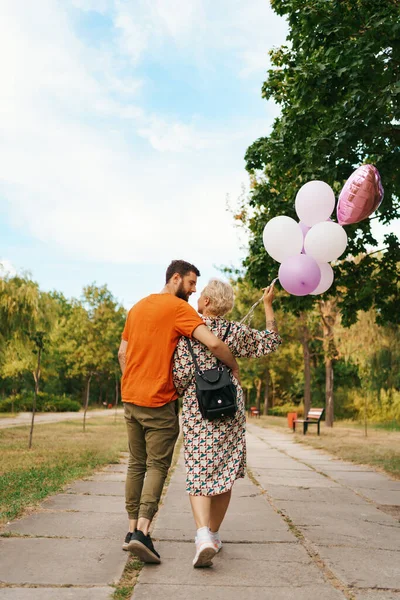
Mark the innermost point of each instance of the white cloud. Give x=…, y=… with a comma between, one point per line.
x=85, y=167
x=201, y=29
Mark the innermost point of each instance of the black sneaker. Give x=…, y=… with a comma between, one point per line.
x=141, y=546
x=127, y=540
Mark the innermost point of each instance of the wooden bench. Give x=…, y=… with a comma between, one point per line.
x=313, y=418
x=254, y=412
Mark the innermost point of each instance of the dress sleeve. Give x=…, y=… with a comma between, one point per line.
x=186, y=319
x=252, y=343
x=182, y=367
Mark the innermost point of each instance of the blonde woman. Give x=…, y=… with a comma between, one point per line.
x=215, y=451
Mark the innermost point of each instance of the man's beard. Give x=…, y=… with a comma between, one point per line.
x=181, y=293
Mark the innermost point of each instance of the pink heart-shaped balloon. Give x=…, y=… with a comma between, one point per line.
x=361, y=195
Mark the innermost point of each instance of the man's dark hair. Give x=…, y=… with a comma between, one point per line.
x=182, y=268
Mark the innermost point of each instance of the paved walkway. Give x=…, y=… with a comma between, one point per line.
x=25, y=418
x=303, y=525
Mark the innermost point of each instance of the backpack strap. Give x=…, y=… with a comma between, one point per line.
x=189, y=345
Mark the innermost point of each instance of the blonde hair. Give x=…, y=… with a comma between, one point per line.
x=221, y=297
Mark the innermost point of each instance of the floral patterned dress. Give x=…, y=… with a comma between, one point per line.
x=215, y=451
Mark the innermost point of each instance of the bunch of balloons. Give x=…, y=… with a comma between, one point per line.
x=305, y=249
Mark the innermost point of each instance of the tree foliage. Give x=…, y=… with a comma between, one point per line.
x=80, y=340
x=337, y=84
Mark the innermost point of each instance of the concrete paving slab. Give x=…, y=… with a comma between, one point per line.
x=364, y=568
x=89, y=525
x=107, y=477
x=266, y=453
x=236, y=528
x=119, y=468
x=331, y=467
x=368, y=479
x=97, y=488
x=28, y=593
x=238, y=536
x=236, y=566
x=331, y=496
x=318, y=511
x=378, y=595
x=305, y=473
x=317, y=459
x=293, y=481
x=102, y=504
x=60, y=562
x=390, y=497
x=279, y=464
x=241, y=505
x=213, y=592
x=355, y=534
x=389, y=509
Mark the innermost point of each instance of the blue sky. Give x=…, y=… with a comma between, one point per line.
x=124, y=127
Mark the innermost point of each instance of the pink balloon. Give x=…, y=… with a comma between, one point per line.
x=304, y=230
x=361, y=195
x=299, y=275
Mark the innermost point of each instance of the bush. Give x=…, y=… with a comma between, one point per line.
x=379, y=410
x=45, y=403
x=282, y=411
x=61, y=404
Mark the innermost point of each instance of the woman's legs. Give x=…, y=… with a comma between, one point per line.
x=219, y=506
x=205, y=546
x=201, y=508
x=209, y=511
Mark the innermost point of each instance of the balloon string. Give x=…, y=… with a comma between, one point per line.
x=249, y=315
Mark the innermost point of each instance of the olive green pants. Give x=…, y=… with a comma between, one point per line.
x=152, y=433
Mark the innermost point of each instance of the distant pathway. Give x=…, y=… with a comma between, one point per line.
x=25, y=417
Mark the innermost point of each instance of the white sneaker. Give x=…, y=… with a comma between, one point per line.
x=205, y=549
x=217, y=540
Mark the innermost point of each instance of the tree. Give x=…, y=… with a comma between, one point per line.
x=38, y=339
x=19, y=305
x=89, y=336
x=336, y=82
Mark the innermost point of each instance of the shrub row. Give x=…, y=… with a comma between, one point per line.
x=45, y=403
x=284, y=409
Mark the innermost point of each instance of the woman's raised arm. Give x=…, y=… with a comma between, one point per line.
x=268, y=298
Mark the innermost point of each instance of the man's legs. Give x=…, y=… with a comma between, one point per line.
x=136, y=464
x=160, y=427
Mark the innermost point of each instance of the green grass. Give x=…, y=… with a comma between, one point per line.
x=61, y=453
x=346, y=440
x=124, y=588
x=390, y=426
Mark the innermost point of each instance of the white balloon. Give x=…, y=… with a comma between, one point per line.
x=315, y=202
x=325, y=241
x=326, y=280
x=282, y=238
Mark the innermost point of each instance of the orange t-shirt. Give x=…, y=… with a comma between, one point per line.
x=152, y=330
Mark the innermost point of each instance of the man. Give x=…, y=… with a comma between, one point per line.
x=152, y=330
